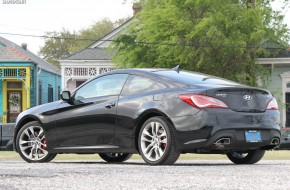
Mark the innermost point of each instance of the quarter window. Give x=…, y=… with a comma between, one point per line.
x=137, y=84
x=103, y=86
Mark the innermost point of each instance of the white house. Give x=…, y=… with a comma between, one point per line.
x=89, y=62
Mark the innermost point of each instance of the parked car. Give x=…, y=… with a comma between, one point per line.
x=157, y=113
x=285, y=139
x=6, y=136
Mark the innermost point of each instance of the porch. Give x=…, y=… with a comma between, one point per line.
x=15, y=85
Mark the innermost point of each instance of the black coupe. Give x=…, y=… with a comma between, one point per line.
x=156, y=113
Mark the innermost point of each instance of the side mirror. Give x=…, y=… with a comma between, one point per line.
x=65, y=96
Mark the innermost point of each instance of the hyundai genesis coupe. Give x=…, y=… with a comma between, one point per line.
x=157, y=113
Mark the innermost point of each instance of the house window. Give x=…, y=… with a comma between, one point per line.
x=58, y=92
x=14, y=85
x=50, y=93
x=288, y=85
x=39, y=92
x=78, y=83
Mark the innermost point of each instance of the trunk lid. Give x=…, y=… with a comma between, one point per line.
x=242, y=99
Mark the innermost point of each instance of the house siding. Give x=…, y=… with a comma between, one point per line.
x=275, y=86
x=47, y=79
x=275, y=82
x=1, y=101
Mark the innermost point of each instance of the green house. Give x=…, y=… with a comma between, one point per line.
x=279, y=82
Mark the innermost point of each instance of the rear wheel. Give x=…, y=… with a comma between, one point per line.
x=115, y=157
x=157, y=142
x=248, y=157
x=31, y=143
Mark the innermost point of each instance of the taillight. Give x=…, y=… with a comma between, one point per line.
x=272, y=104
x=202, y=101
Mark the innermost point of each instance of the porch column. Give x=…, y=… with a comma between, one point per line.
x=27, y=87
x=1, y=102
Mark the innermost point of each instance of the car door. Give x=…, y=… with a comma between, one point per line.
x=89, y=120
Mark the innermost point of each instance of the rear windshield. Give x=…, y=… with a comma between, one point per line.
x=193, y=78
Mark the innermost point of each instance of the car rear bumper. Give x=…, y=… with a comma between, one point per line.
x=237, y=140
x=203, y=130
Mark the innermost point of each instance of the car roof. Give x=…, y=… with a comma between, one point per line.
x=144, y=70
x=183, y=77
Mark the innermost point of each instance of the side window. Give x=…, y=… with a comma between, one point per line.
x=137, y=84
x=103, y=86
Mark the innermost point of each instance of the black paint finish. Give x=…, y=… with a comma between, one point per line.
x=111, y=123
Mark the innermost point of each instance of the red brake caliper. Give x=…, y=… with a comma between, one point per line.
x=164, y=145
x=43, y=142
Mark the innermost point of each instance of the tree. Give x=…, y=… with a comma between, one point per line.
x=58, y=45
x=218, y=37
x=92, y=33
x=61, y=44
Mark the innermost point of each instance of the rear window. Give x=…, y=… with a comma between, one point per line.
x=193, y=78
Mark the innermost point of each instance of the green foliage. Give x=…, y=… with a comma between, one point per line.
x=55, y=48
x=218, y=37
x=63, y=43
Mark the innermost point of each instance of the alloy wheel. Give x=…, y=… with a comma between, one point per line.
x=153, y=141
x=32, y=143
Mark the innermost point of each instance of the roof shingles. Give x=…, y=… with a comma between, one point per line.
x=8, y=54
x=13, y=52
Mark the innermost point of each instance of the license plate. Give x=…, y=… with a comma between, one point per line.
x=253, y=136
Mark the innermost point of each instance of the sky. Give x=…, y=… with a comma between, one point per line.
x=39, y=16
x=35, y=17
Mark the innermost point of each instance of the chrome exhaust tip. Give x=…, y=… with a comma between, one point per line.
x=275, y=141
x=223, y=141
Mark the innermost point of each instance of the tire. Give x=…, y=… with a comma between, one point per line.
x=31, y=143
x=156, y=142
x=115, y=157
x=249, y=157
x=9, y=146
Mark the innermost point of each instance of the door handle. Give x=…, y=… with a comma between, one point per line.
x=110, y=105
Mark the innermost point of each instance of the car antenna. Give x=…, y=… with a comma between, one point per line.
x=177, y=68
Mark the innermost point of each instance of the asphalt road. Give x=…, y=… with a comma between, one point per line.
x=185, y=174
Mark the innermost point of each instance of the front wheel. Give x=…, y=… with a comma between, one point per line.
x=246, y=157
x=115, y=157
x=31, y=143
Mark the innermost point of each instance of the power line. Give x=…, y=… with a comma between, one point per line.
x=194, y=44
x=23, y=28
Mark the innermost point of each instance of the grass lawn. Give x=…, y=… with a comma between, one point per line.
x=270, y=155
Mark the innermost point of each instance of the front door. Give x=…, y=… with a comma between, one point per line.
x=89, y=121
x=14, y=105
x=287, y=109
